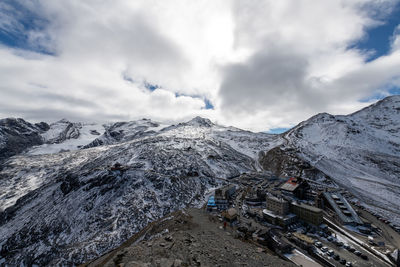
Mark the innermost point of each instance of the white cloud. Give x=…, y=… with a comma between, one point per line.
x=263, y=64
x=395, y=45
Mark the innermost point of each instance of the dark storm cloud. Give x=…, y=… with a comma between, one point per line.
x=265, y=79
x=38, y=95
x=133, y=41
x=49, y=114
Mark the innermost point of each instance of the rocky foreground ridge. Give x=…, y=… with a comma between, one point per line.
x=188, y=238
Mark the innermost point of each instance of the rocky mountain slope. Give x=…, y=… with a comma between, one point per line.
x=360, y=152
x=64, y=200
x=66, y=208
x=16, y=135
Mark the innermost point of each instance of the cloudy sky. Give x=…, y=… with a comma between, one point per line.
x=257, y=65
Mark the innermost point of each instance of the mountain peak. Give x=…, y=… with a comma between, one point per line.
x=199, y=121
x=392, y=101
x=392, y=98
x=63, y=120
x=387, y=107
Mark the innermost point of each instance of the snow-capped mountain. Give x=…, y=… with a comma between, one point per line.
x=18, y=135
x=72, y=191
x=125, y=131
x=360, y=152
x=65, y=136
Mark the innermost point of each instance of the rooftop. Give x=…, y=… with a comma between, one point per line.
x=273, y=215
x=290, y=184
x=276, y=199
x=211, y=202
x=305, y=206
x=304, y=237
x=342, y=208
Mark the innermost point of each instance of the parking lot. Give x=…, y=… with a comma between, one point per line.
x=346, y=254
x=388, y=234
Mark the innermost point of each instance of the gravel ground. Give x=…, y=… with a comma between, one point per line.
x=192, y=239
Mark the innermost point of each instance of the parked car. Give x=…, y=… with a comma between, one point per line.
x=349, y=264
x=364, y=257
x=346, y=246
x=351, y=249
x=336, y=257
x=330, y=238
x=339, y=243
x=358, y=253
x=318, y=244
x=330, y=252
x=324, y=249
x=323, y=234
x=343, y=261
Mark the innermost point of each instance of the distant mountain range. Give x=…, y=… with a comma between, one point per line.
x=72, y=191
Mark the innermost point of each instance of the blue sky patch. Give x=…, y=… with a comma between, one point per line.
x=277, y=130
x=373, y=97
x=150, y=86
x=208, y=104
x=23, y=28
x=394, y=91
x=381, y=94
x=378, y=39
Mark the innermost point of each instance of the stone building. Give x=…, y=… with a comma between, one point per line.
x=307, y=213
x=279, y=206
x=225, y=192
